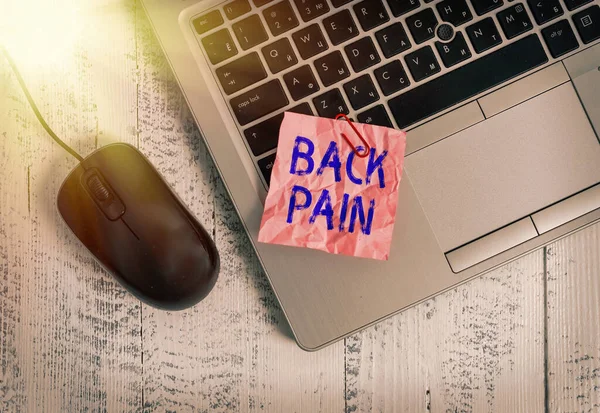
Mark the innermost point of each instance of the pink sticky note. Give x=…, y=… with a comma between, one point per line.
x=323, y=196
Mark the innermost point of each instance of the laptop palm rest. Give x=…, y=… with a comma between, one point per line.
x=502, y=170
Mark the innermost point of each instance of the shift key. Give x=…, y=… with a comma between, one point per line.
x=259, y=102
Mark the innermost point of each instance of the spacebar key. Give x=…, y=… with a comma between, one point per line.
x=468, y=81
x=259, y=102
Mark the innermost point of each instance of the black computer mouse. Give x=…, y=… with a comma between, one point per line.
x=126, y=215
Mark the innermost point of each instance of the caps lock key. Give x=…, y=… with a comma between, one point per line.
x=259, y=102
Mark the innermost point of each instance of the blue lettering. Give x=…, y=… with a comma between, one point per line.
x=323, y=207
x=351, y=176
x=293, y=206
x=376, y=164
x=307, y=156
x=357, y=209
x=331, y=159
x=344, y=211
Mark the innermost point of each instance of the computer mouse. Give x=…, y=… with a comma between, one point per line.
x=138, y=229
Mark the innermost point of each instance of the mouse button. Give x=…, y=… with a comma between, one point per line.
x=69, y=195
x=130, y=175
x=102, y=193
x=75, y=206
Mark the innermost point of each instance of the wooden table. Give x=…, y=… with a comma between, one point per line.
x=524, y=338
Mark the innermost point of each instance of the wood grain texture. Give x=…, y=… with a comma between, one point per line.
x=233, y=351
x=476, y=348
x=71, y=335
x=14, y=226
x=73, y=340
x=573, y=273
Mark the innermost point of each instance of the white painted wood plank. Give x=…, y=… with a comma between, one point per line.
x=232, y=351
x=477, y=348
x=73, y=333
x=573, y=273
x=15, y=238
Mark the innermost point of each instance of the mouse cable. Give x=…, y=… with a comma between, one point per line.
x=38, y=115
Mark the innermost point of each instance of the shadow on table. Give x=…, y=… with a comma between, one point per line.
x=231, y=238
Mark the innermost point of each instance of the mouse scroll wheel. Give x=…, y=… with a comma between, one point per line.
x=99, y=190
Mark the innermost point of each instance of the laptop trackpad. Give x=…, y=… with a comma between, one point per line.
x=505, y=168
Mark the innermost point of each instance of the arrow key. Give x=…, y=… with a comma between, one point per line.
x=263, y=136
x=361, y=92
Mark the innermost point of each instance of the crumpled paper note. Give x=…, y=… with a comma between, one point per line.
x=323, y=196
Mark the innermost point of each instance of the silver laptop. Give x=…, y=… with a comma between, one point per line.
x=501, y=101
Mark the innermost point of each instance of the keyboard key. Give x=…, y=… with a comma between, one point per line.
x=377, y=115
x=362, y=54
x=259, y=102
x=573, y=4
x=422, y=25
x=393, y=40
x=560, y=38
x=208, y=21
x=311, y=9
x=264, y=136
x=241, y=73
x=400, y=7
x=361, y=92
x=236, y=9
x=484, y=35
x=467, y=81
x=332, y=68
x=259, y=3
x=310, y=41
x=249, y=32
x=483, y=6
x=371, y=13
x=588, y=24
x=301, y=82
x=454, y=52
x=279, y=55
x=330, y=104
x=266, y=167
x=280, y=17
x=514, y=21
x=339, y=3
x=456, y=12
x=219, y=46
x=545, y=10
x=340, y=27
x=422, y=63
x=392, y=77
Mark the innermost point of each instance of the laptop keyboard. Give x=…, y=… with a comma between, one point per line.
x=386, y=62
